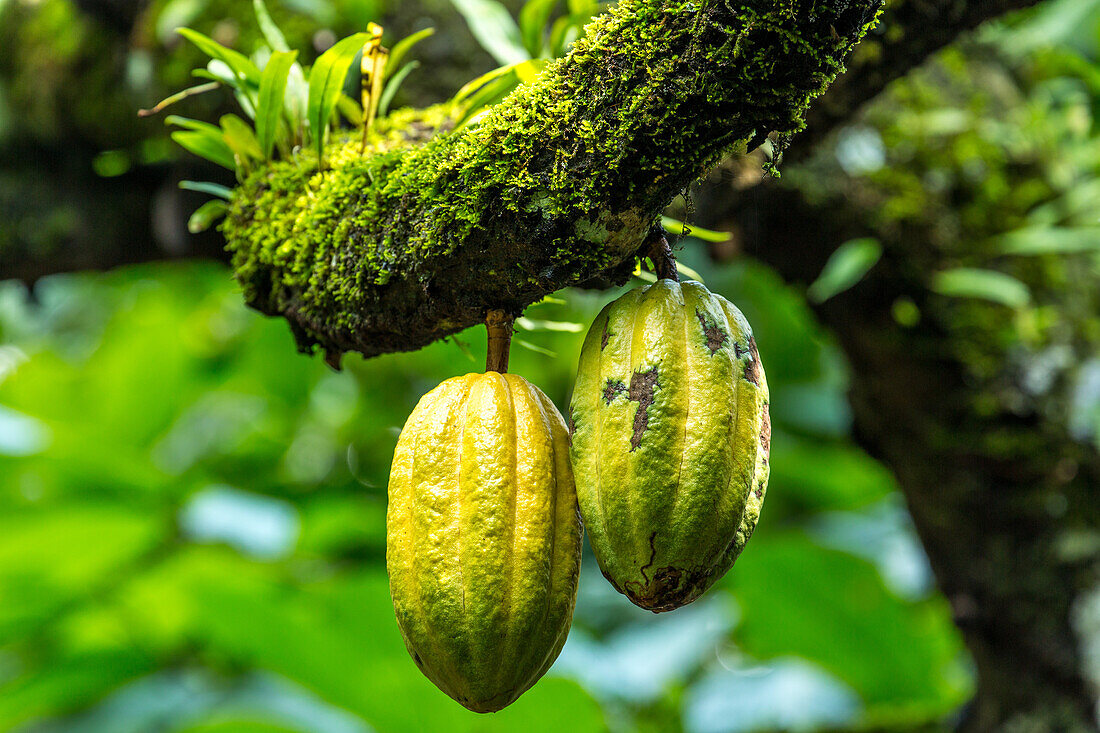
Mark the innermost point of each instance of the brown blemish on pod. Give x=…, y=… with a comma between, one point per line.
x=752, y=366
x=642, y=387
x=613, y=389
x=670, y=588
x=766, y=433
x=716, y=336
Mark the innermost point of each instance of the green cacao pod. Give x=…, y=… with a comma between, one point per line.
x=483, y=537
x=670, y=440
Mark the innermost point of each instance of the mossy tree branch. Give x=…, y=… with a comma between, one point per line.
x=559, y=183
x=909, y=30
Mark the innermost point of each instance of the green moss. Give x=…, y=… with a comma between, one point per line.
x=556, y=184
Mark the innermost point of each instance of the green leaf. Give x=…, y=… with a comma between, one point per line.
x=206, y=145
x=494, y=29
x=493, y=86
x=240, y=138
x=297, y=99
x=340, y=640
x=486, y=96
x=532, y=24
x=247, y=100
x=350, y=109
x=469, y=88
x=997, y=287
x=530, y=325
x=691, y=273
x=529, y=71
x=212, y=76
x=189, y=124
x=54, y=555
x=238, y=722
x=464, y=348
x=402, y=48
x=175, y=13
x=832, y=608
x=535, y=348
x=220, y=71
x=676, y=226
x=393, y=85
x=70, y=680
x=271, y=32
x=565, y=31
x=1080, y=202
x=812, y=475
x=111, y=163
x=844, y=268
x=1050, y=240
x=214, y=189
x=242, y=67
x=270, y=103
x=326, y=81
x=206, y=215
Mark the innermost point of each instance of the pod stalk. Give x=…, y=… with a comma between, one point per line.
x=659, y=253
x=499, y=325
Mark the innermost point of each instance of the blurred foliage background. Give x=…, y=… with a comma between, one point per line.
x=194, y=537
x=192, y=515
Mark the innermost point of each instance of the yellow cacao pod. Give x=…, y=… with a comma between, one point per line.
x=670, y=440
x=483, y=538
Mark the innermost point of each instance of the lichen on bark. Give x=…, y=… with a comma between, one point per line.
x=558, y=183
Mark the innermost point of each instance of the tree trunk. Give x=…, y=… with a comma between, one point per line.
x=1003, y=495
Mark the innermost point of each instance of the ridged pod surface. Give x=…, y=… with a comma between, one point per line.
x=670, y=440
x=483, y=537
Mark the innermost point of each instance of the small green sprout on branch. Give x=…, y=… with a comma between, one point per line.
x=291, y=108
x=287, y=108
x=523, y=49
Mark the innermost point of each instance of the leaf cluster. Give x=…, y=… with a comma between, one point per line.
x=523, y=48
x=285, y=106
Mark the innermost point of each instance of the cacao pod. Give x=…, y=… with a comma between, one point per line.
x=483, y=537
x=670, y=440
